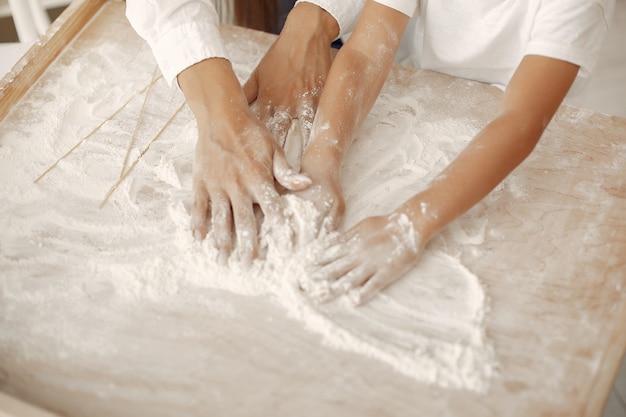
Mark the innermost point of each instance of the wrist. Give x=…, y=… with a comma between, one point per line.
x=308, y=19
x=322, y=159
x=212, y=90
x=423, y=215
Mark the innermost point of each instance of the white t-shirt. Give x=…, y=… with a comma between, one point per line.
x=485, y=40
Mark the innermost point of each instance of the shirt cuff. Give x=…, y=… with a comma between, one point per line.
x=185, y=45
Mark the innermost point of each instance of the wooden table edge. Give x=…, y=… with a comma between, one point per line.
x=46, y=49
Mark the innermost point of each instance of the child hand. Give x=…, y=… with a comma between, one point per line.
x=367, y=258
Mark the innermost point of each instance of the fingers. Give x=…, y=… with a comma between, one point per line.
x=199, y=211
x=278, y=124
x=335, y=215
x=363, y=261
x=238, y=214
x=305, y=112
x=278, y=115
x=369, y=290
x=272, y=206
x=233, y=221
x=350, y=284
x=336, y=269
x=278, y=120
x=341, y=270
x=264, y=110
x=360, y=281
x=331, y=254
x=246, y=229
x=286, y=175
x=352, y=280
x=222, y=220
x=251, y=87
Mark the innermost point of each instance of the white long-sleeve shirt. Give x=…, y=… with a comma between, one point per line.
x=184, y=32
x=483, y=40
x=180, y=32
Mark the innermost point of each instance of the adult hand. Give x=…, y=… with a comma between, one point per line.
x=367, y=258
x=235, y=163
x=288, y=81
x=322, y=163
x=232, y=171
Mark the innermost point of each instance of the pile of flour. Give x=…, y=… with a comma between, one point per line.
x=57, y=243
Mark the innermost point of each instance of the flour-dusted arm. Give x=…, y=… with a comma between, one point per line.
x=354, y=82
x=236, y=159
x=379, y=250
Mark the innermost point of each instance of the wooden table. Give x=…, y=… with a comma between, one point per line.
x=553, y=260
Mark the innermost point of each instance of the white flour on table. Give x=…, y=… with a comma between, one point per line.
x=59, y=249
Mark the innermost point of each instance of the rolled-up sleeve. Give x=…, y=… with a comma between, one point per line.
x=179, y=32
x=345, y=12
x=572, y=30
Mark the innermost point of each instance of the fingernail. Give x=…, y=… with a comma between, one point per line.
x=246, y=260
x=339, y=287
x=283, y=236
x=197, y=236
x=320, y=291
x=222, y=258
x=355, y=297
x=301, y=179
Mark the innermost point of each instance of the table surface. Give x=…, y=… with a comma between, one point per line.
x=553, y=260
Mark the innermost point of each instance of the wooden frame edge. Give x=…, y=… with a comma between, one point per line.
x=613, y=357
x=45, y=50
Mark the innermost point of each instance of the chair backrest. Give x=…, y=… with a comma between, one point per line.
x=30, y=18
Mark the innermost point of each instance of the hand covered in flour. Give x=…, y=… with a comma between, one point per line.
x=327, y=197
x=235, y=163
x=288, y=81
x=367, y=258
x=322, y=163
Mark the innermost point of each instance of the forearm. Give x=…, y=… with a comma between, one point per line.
x=212, y=91
x=354, y=82
x=348, y=96
x=489, y=158
x=530, y=101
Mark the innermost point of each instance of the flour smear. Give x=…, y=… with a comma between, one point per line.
x=59, y=249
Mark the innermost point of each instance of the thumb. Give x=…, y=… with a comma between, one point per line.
x=286, y=175
x=251, y=87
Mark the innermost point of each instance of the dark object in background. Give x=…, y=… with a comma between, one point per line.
x=266, y=15
x=262, y=15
